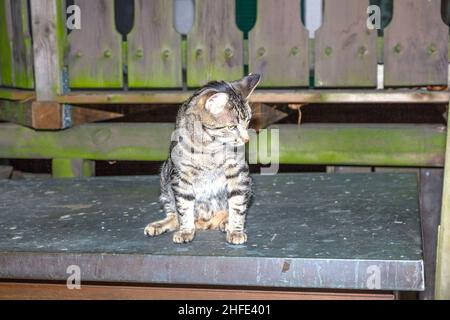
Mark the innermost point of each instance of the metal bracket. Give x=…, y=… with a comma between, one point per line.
x=66, y=108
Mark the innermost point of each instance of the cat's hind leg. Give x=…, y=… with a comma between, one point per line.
x=217, y=222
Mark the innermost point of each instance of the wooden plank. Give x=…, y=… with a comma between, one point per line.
x=22, y=45
x=345, y=50
x=278, y=45
x=16, y=94
x=215, y=44
x=416, y=45
x=42, y=291
x=154, y=47
x=262, y=96
x=95, y=55
x=6, y=62
x=442, y=280
x=332, y=144
x=48, y=48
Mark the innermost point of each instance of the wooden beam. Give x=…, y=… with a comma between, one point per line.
x=264, y=115
x=443, y=246
x=261, y=96
x=38, y=115
x=82, y=115
x=59, y=291
x=328, y=144
x=49, y=115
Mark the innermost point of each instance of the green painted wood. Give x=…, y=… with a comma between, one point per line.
x=6, y=63
x=332, y=144
x=345, y=50
x=416, y=45
x=72, y=168
x=442, y=280
x=154, y=47
x=278, y=45
x=22, y=47
x=215, y=44
x=95, y=55
x=362, y=144
x=16, y=52
x=16, y=112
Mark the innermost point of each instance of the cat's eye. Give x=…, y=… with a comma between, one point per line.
x=232, y=127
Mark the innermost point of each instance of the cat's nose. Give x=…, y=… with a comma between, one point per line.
x=243, y=133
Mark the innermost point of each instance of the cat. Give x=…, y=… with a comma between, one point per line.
x=205, y=183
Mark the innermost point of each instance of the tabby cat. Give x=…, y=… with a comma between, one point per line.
x=205, y=183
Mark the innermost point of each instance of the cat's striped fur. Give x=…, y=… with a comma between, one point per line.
x=205, y=183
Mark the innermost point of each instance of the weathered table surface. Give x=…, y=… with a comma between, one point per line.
x=355, y=231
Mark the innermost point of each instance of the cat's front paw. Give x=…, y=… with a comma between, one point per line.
x=154, y=229
x=183, y=236
x=236, y=237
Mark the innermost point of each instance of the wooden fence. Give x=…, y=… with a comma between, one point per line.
x=154, y=55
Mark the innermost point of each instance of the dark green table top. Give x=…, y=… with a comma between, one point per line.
x=358, y=231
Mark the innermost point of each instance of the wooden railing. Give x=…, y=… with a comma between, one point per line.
x=154, y=54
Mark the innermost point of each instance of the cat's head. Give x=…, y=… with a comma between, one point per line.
x=225, y=110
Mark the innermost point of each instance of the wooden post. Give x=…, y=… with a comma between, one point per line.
x=443, y=245
x=48, y=46
x=72, y=168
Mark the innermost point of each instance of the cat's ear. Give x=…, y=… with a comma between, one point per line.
x=217, y=102
x=247, y=84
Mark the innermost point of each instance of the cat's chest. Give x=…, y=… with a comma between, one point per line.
x=210, y=183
